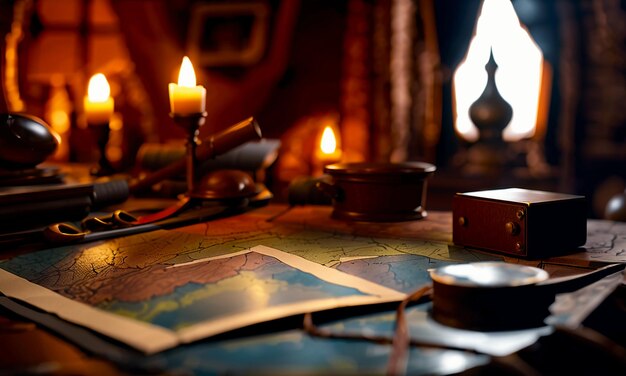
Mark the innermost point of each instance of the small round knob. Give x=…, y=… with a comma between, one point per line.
x=512, y=228
x=616, y=208
x=462, y=221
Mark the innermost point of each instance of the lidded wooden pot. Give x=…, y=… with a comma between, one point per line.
x=378, y=192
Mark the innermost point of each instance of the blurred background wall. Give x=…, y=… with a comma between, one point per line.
x=380, y=72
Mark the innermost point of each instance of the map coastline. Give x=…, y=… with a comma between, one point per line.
x=150, y=338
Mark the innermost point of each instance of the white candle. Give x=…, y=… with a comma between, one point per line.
x=185, y=97
x=98, y=102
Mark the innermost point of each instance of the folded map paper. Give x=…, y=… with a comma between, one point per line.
x=125, y=293
x=156, y=290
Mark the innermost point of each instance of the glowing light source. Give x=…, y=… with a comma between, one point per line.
x=186, y=75
x=328, y=144
x=328, y=150
x=519, y=74
x=185, y=97
x=98, y=89
x=98, y=102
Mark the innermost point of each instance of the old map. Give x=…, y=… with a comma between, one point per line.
x=156, y=290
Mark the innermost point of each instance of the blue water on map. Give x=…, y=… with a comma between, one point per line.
x=268, y=285
x=399, y=272
x=35, y=264
x=295, y=352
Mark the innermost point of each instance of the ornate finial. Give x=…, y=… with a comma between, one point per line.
x=490, y=112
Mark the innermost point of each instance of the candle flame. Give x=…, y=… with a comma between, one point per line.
x=186, y=75
x=518, y=77
x=98, y=89
x=328, y=144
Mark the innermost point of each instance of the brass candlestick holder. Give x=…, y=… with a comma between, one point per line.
x=102, y=132
x=191, y=123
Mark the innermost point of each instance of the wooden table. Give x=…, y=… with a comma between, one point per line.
x=26, y=344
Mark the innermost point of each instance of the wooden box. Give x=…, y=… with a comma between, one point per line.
x=519, y=222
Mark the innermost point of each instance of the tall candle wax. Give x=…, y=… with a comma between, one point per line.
x=185, y=97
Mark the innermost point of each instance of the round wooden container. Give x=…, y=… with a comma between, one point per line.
x=378, y=192
x=489, y=296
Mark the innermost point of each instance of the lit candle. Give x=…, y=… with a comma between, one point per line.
x=98, y=102
x=328, y=151
x=185, y=97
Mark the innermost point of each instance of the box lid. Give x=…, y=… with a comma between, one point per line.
x=520, y=195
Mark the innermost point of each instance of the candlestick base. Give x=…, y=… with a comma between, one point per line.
x=102, y=132
x=191, y=123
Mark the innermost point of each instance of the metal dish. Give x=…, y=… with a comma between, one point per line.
x=490, y=296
